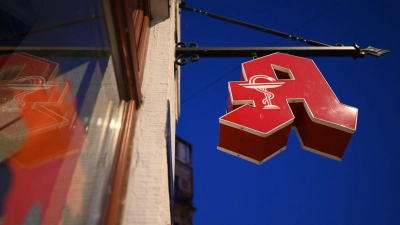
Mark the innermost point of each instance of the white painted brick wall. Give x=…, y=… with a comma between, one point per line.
x=147, y=201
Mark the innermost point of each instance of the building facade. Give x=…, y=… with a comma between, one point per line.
x=183, y=184
x=89, y=102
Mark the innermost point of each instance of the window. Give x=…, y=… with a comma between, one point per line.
x=68, y=84
x=183, y=152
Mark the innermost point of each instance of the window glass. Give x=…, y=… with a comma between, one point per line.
x=60, y=112
x=183, y=152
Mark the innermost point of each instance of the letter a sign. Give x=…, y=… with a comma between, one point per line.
x=280, y=92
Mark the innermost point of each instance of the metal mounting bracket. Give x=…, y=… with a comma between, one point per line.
x=193, y=52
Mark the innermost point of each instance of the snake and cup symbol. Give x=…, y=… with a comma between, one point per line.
x=263, y=88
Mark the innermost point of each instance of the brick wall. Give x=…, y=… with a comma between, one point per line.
x=147, y=200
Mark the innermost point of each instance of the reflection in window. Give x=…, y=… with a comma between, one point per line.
x=60, y=113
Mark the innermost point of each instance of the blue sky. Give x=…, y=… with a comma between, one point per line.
x=296, y=186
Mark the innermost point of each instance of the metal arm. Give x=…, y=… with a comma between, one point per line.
x=193, y=52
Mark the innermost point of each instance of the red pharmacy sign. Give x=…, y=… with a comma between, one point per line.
x=280, y=92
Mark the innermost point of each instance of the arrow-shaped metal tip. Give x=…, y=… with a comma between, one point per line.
x=375, y=51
